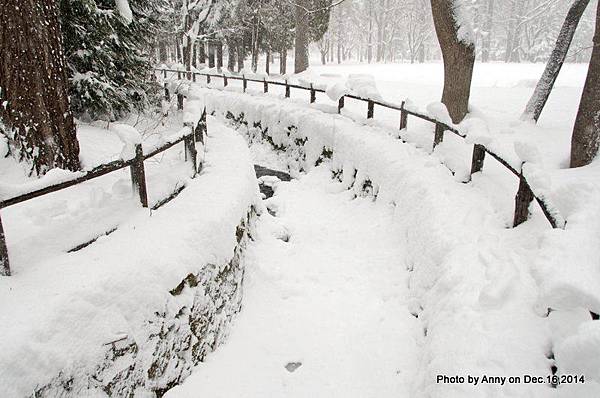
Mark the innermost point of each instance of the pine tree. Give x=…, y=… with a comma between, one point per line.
x=109, y=55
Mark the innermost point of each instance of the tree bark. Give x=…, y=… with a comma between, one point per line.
x=301, y=44
x=268, y=63
x=202, y=53
x=586, y=133
x=544, y=86
x=283, y=61
x=219, y=46
x=211, y=55
x=255, y=43
x=241, y=54
x=34, y=86
x=459, y=59
x=230, y=56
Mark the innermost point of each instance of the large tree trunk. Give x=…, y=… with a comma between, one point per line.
x=544, y=86
x=219, y=46
x=34, y=87
x=202, y=52
x=283, y=61
x=586, y=133
x=459, y=58
x=241, y=54
x=301, y=44
x=255, y=44
x=230, y=56
x=211, y=55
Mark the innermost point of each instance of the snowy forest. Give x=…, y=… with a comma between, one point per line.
x=293, y=198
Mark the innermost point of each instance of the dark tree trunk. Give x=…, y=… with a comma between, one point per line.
x=34, y=87
x=459, y=59
x=255, y=45
x=268, y=63
x=283, y=61
x=178, y=49
x=301, y=44
x=586, y=133
x=544, y=86
x=231, y=57
x=195, y=55
x=241, y=54
x=202, y=53
x=219, y=46
x=211, y=55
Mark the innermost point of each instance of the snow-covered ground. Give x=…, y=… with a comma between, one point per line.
x=326, y=288
x=481, y=291
x=380, y=270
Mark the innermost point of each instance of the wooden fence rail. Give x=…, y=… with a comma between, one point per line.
x=193, y=134
x=524, y=194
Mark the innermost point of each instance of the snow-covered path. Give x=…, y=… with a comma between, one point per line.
x=333, y=298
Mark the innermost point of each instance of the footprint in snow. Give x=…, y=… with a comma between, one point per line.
x=292, y=366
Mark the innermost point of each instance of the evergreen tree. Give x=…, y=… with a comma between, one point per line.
x=107, y=45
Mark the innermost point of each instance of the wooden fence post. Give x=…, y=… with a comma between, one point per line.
x=265, y=86
x=194, y=77
x=167, y=93
x=438, y=138
x=522, y=200
x=244, y=83
x=225, y=82
x=4, y=264
x=370, y=109
x=179, y=101
x=207, y=79
x=341, y=104
x=478, y=158
x=179, y=74
x=287, y=90
x=165, y=73
x=138, y=175
x=190, y=150
x=403, y=118
x=313, y=94
x=201, y=127
x=189, y=75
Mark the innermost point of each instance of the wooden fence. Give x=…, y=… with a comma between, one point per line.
x=193, y=133
x=524, y=194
